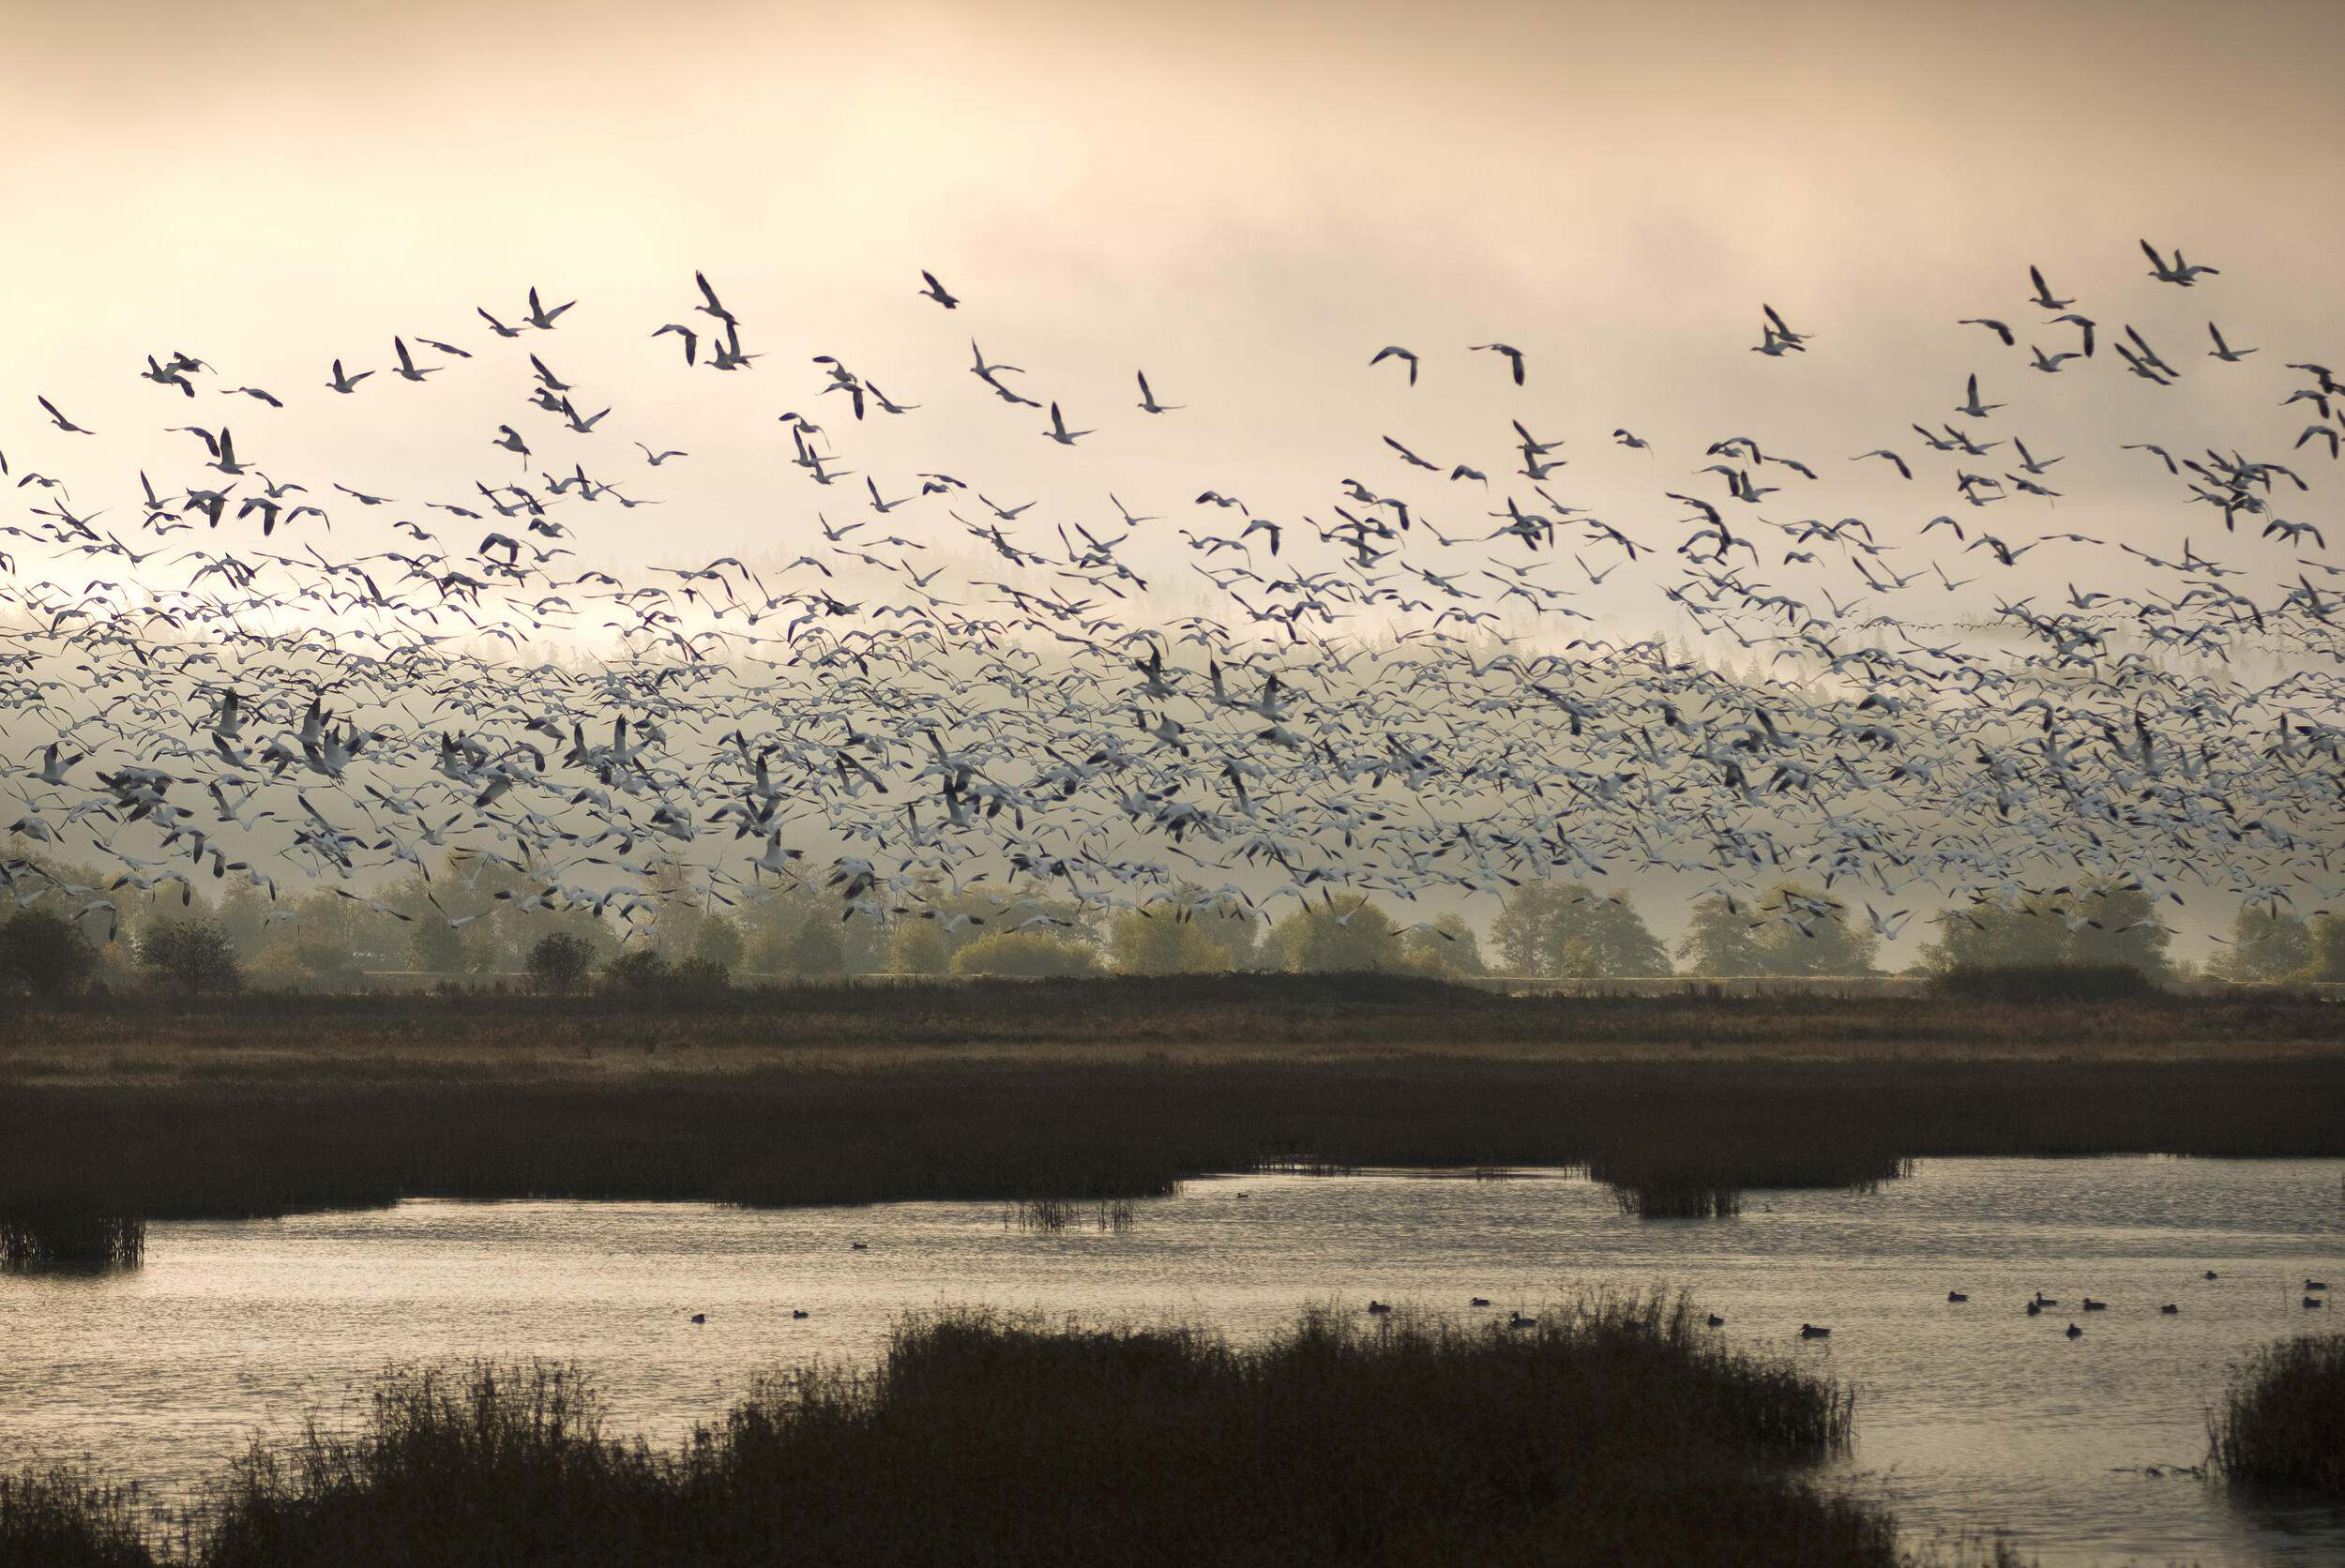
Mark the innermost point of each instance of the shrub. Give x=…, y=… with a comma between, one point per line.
x=815, y=950
x=1027, y=955
x=638, y=973
x=917, y=947
x=558, y=963
x=698, y=975
x=194, y=955
x=45, y=954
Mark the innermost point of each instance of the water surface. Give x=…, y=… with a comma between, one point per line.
x=1971, y=1415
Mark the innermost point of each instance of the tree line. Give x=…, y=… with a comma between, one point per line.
x=483, y=920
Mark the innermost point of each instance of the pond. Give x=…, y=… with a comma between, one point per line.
x=1968, y=1415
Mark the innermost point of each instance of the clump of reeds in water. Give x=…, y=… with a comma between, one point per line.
x=1667, y=1184
x=1678, y=1200
x=1041, y=1213
x=1615, y=1429
x=1056, y=1213
x=71, y=1241
x=2280, y=1422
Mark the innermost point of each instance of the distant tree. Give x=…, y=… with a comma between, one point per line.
x=2094, y=923
x=277, y=967
x=244, y=911
x=2265, y=945
x=45, y=954
x=436, y=947
x=1188, y=934
x=2327, y=934
x=816, y=951
x=558, y=963
x=1568, y=930
x=194, y=955
x=1026, y=953
x=1445, y=946
x=718, y=941
x=2115, y=923
x=1350, y=933
x=917, y=947
x=1718, y=942
x=326, y=966
x=1810, y=934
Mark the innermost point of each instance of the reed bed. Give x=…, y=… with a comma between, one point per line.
x=2282, y=1420
x=1003, y=1129
x=71, y=1239
x=1614, y=1430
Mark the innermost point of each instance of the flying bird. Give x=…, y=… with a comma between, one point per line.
x=1395, y=350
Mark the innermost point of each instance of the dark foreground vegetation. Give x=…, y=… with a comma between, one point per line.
x=2054, y=1008
x=1614, y=1432
x=2282, y=1421
x=1103, y=1090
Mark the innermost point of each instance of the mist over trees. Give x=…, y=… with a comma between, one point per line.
x=475, y=919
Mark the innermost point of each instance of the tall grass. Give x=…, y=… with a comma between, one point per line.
x=1614, y=1431
x=68, y=1239
x=58, y=1519
x=2282, y=1420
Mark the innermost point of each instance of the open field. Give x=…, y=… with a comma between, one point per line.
x=1618, y=1430
x=1108, y=1089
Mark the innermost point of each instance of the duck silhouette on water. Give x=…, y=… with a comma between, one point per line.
x=2075, y=1333
x=1809, y=1330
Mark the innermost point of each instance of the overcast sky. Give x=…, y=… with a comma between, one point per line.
x=1245, y=201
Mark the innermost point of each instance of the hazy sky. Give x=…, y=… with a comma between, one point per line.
x=1245, y=201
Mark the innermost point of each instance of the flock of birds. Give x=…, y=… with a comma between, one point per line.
x=1406, y=691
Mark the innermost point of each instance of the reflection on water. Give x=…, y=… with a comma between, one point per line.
x=1969, y=1414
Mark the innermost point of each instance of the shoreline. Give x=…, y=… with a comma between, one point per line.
x=253, y=1107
